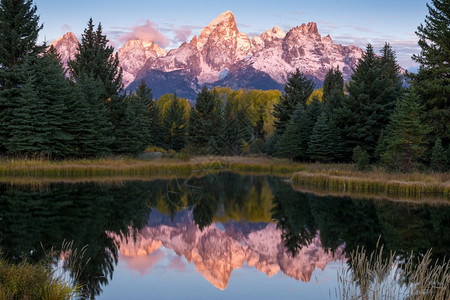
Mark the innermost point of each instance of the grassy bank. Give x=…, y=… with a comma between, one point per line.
x=377, y=182
x=133, y=167
x=33, y=281
x=341, y=178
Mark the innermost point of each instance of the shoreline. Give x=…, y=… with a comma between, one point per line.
x=341, y=178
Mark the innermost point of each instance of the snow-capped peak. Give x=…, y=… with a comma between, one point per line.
x=224, y=17
x=66, y=46
x=274, y=33
x=225, y=24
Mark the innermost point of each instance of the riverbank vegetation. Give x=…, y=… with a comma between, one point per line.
x=381, y=275
x=33, y=281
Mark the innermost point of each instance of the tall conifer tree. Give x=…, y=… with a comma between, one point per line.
x=206, y=124
x=96, y=59
x=174, y=125
x=432, y=83
x=19, y=30
x=367, y=109
x=404, y=142
x=296, y=90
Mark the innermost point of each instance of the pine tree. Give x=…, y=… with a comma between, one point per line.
x=290, y=144
x=52, y=89
x=96, y=59
x=372, y=96
x=237, y=130
x=82, y=123
x=19, y=30
x=174, y=125
x=318, y=146
x=205, y=127
x=127, y=132
x=438, y=157
x=99, y=122
x=154, y=125
x=404, y=142
x=432, y=83
x=296, y=90
x=141, y=100
x=333, y=83
x=27, y=133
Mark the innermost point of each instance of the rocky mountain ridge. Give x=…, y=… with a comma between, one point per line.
x=222, y=55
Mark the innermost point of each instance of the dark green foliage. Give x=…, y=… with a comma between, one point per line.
x=314, y=110
x=439, y=157
x=333, y=83
x=305, y=126
x=174, y=125
x=319, y=142
x=271, y=145
x=46, y=91
x=95, y=136
x=291, y=144
x=19, y=30
x=333, y=98
x=52, y=89
x=296, y=90
x=27, y=125
x=403, y=142
x=96, y=59
x=432, y=83
x=237, y=130
x=360, y=158
x=81, y=125
x=206, y=124
x=128, y=131
x=154, y=134
x=372, y=96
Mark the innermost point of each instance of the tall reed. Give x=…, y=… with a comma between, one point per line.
x=371, y=276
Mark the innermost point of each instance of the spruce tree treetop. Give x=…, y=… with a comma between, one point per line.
x=297, y=90
x=333, y=83
x=19, y=30
x=96, y=59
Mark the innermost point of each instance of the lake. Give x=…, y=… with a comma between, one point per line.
x=208, y=236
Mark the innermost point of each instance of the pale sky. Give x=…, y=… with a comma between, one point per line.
x=349, y=22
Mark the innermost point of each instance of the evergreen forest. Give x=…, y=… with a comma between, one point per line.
x=383, y=115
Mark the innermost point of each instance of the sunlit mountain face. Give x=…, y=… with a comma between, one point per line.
x=223, y=56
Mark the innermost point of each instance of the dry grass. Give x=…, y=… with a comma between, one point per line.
x=343, y=179
x=33, y=281
x=133, y=167
x=371, y=276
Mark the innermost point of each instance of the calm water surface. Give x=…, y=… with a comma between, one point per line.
x=217, y=236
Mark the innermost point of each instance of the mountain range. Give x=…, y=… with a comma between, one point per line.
x=219, y=249
x=223, y=56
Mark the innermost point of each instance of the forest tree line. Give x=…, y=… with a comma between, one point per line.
x=46, y=110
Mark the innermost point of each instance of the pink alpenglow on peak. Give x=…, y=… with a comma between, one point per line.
x=222, y=55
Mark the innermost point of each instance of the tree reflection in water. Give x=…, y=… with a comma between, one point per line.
x=90, y=214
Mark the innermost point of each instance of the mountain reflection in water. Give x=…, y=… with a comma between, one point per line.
x=219, y=249
x=218, y=222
